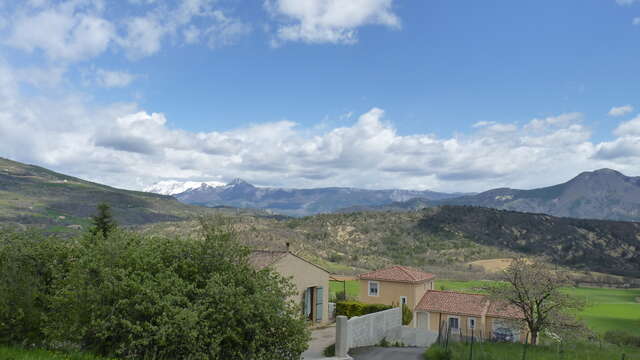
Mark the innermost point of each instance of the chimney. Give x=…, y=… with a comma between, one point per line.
x=288, y=247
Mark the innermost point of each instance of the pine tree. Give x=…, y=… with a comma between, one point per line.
x=103, y=222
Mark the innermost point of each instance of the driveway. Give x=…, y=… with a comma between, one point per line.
x=320, y=339
x=390, y=353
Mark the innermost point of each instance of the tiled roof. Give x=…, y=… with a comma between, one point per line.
x=260, y=259
x=451, y=302
x=398, y=274
x=457, y=303
x=503, y=310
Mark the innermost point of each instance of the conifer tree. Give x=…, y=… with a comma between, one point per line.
x=103, y=222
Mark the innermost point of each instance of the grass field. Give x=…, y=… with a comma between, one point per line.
x=353, y=287
x=582, y=351
x=607, y=309
x=13, y=353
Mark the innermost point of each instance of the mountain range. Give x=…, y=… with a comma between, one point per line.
x=437, y=237
x=297, y=202
x=601, y=194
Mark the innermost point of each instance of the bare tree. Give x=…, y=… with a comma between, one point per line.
x=536, y=290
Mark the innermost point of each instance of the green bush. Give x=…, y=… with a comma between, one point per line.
x=436, y=352
x=407, y=315
x=620, y=337
x=356, y=308
x=329, y=351
x=137, y=296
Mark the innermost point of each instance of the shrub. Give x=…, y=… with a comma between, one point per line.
x=329, y=351
x=436, y=352
x=407, y=315
x=137, y=296
x=620, y=337
x=384, y=342
x=356, y=308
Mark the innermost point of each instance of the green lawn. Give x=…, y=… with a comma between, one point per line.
x=14, y=353
x=491, y=351
x=607, y=309
x=353, y=287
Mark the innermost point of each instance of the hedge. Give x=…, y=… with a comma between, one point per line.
x=356, y=308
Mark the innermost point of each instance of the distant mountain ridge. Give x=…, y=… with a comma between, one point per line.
x=604, y=194
x=177, y=187
x=601, y=194
x=297, y=202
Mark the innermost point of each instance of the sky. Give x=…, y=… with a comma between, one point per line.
x=446, y=95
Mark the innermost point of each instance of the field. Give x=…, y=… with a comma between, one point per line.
x=490, y=351
x=13, y=353
x=352, y=286
x=607, y=309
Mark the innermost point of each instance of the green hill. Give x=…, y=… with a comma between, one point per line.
x=34, y=196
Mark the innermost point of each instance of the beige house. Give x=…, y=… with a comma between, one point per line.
x=395, y=285
x=469, y=315
x=311, y=280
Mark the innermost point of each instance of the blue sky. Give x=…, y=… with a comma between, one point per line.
x=442, y=94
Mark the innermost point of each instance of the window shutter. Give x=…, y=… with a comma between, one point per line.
x=307, y=302
x=319, y=302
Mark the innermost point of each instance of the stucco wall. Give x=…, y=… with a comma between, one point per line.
x=305, y=275
x=486, y=328
x=390, y=292
x=370, y=329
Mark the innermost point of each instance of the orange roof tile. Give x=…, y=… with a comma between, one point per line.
x=398, y=274
x=457, y=303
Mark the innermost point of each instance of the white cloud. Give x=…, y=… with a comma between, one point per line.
x=77, y=30
x=620, y=110
x=123, y=145
x=72, y=30
x=329, y=21
x=626, y=2
x=111, y=79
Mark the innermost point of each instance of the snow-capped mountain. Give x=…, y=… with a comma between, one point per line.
x=172, y=187
x=296, y=202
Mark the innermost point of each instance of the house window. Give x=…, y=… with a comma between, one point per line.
x=472, y=323
x=374, y=288
x=454, y=323
x=403, y=300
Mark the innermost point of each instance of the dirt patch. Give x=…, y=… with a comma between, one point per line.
x=492, y=265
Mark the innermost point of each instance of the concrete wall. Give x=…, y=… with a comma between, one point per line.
x=370, y=329
x=412, y=337
x=305, y=275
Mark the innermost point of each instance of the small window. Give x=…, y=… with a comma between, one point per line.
x=403, y=300
x=374, y=288
x=454, y=323
x=472, y=323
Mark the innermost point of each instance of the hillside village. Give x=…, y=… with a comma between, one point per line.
x=319, y=180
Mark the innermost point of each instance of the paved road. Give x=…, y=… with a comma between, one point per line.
x=380, y=353
x=320, y=339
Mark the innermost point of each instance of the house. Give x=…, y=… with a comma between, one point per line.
x=311, y=280
x=395, y=285
x=469, y=315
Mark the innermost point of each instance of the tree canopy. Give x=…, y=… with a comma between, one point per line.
x=138, y=296
x=536, y=289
